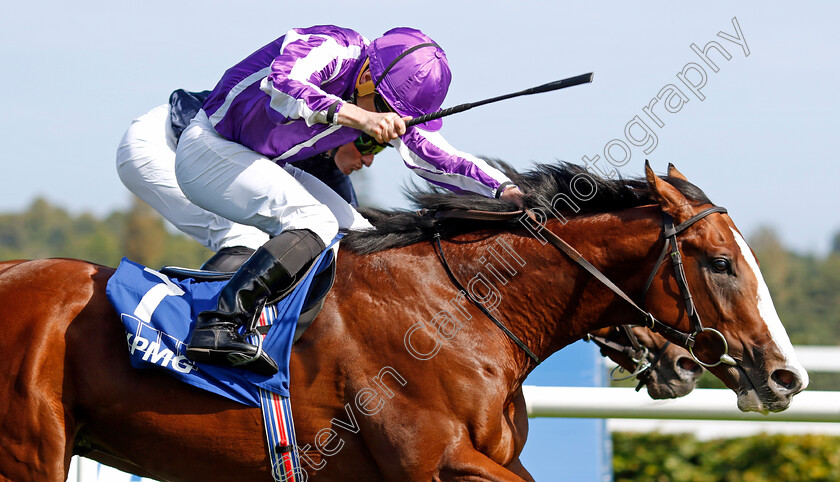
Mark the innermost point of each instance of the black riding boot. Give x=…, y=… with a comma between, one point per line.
x=227, y=260
x=269, y=274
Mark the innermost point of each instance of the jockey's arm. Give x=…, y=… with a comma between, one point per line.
x=384, y=127
x=430, y=156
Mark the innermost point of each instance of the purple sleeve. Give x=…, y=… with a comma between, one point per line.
x=294, y=83
x=431, y=157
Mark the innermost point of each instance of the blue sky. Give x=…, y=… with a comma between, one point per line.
x=760, y=143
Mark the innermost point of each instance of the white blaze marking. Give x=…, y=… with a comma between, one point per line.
x=768, y=313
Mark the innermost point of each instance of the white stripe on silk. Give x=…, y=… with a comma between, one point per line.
x=307, y=143
x=287, y=105
x=236, y=90
x=293, y=36
x=290, y=104
x=434, y=173
x=321, y=56
x=316, y=60
x=217, y=116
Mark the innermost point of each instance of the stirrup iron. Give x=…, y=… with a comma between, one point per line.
x=239, y=359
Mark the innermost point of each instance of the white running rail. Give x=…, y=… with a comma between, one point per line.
x=701, y=404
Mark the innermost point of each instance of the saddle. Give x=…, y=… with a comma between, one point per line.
x=321, y=285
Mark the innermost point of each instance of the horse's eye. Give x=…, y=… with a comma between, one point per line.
x=720, y=265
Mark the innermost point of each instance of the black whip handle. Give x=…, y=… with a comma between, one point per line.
x=557, y=84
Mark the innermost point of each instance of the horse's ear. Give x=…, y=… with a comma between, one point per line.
x=673, y=172
x=672, y=201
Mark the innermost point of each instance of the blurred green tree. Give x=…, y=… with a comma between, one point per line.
x=44, y=230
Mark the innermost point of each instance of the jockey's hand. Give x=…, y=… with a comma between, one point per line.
x=513, y=194
x=384, y=127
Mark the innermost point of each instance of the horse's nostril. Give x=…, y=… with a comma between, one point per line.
x=786, y=379
x=689, y=365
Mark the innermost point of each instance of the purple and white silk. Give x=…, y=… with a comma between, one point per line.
x=276, y=100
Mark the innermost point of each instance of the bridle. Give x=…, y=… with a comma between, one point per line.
x=635, y=351
x=638, y=353
x=671, y=232
x=671, y=247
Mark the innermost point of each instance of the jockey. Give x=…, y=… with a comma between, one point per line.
x=309, y=92
x=146, y=166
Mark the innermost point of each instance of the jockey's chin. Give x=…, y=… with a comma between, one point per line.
x=348, y=159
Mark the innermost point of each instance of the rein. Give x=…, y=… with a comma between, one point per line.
x=670, y=233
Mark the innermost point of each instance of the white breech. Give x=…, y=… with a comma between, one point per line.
x=146, y=165
x=242, y=185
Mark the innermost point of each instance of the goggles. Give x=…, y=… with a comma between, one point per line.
x=368, y=145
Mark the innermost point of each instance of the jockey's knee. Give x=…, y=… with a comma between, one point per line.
x=321, y=221
x=326, y=232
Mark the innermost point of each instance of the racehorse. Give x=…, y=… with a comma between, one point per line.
x=404, y=376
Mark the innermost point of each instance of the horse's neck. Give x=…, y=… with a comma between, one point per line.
x=536, y=291
x=551, y=301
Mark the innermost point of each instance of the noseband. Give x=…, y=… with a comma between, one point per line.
x=671, y=247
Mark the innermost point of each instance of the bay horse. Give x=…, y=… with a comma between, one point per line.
x=403, y=376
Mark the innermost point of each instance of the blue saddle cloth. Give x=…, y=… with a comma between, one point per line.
x=159, y=314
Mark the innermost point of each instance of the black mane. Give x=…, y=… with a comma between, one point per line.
x=541, y=184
